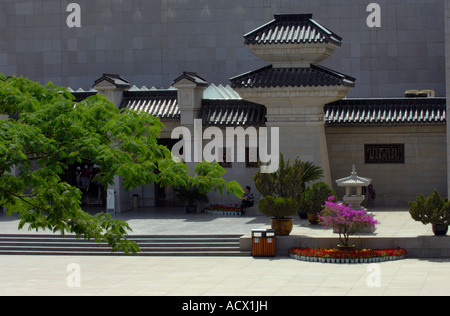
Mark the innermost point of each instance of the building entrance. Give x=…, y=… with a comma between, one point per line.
x=165, y=196
x=82, y=176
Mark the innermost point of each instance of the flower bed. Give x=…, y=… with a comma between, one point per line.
x=220, y=209
x=340, y=256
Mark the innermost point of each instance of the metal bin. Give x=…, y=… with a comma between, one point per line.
x=263, y=243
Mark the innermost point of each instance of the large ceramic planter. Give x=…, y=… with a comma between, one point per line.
x=440, y=229
x=313, y=218
x=283, y=227
x=302, y=215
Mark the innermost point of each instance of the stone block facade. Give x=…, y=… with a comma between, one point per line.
x=152, y=42
x=423, y=171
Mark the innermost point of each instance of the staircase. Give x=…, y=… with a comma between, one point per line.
x=170, y=245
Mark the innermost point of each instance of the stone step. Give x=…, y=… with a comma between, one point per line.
x=143, y=254
x=161, y=245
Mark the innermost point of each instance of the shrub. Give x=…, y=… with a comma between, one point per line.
x=315, y=197
x=289, y=181
x=278, y=207
x=346, y=220
x=430, y=210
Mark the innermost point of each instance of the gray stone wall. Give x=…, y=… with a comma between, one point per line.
x=423, y=171
x=150, y=42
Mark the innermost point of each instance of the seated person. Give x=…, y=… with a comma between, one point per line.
x=247, y=199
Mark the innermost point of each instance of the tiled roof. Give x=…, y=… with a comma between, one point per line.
x=232, y=113
x=351, y=112
x=82, y=95
x=114, y=79
x=191, y=76
x=270, y=77
x=292, y=29
x=160, y=103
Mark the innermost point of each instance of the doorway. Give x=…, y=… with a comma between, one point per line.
x=165, y=196
x=82, y=176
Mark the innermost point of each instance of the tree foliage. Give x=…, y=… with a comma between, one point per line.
x=45, y=132
x=278, y=207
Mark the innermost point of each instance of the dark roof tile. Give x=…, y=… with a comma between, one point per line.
x=114, y=79
x=160, y=103
x=232, y=113
x=270, y=77
x=192, y=76
x=355, y=112
x=81, y=96
x=291, y=29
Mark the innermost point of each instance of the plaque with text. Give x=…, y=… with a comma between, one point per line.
x=385, y=153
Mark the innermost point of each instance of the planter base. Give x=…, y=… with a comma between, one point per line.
x=331, y=256
x=346, y=248
x=313, y=218
x=440, y=229
x=283, y=227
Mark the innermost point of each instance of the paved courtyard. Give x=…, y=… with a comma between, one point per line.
x=217, y=276
x=175, y=221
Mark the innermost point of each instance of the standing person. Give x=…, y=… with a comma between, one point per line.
x=84, y=188
x=78, y=175
x=248, y=200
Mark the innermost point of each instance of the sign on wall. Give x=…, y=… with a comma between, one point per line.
x=384, y=153
x=110, y=201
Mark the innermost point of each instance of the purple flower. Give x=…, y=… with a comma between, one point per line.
x=345, y=219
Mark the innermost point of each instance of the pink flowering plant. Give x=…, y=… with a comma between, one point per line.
x=344, y=219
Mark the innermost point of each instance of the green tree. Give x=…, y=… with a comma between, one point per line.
x=47, y=132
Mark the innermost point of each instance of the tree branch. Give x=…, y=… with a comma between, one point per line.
x=23, y=198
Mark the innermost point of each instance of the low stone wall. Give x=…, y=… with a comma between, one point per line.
x=417, y=247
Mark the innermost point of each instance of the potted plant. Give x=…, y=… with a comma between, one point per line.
x=289, y=181
x=313, y=200
x=191, y=196
x=345, y=221
x=280, y=209
x=208, y=178
x=431, y=210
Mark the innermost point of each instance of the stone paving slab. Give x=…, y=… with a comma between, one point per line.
x=168, y=221
x=212, y=276
x=224, y=276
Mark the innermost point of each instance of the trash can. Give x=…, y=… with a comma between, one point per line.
x=263, y=243
x=135, y=201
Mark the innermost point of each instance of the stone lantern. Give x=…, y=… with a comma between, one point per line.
x=353, y=189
